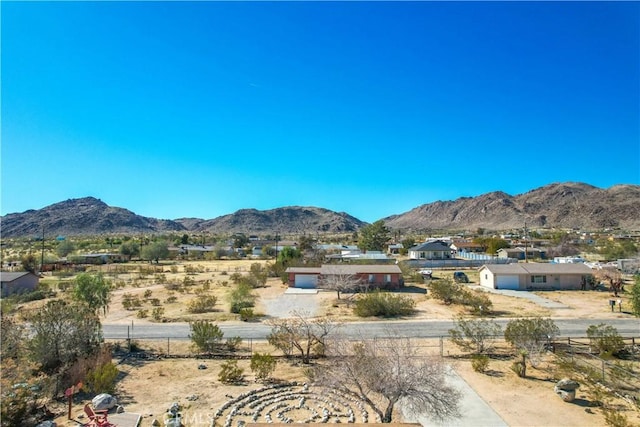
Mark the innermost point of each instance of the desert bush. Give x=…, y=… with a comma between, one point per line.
x=519, y=368
x=262, y=365
x=130, y=302
x=157, y=313
x=202, y=304
x=384, y=304
x=147, y=294
x=171, y=299
x=233, y=344
x=172, y=286
x=605, y=338
x=614, y=418
x=530, y=335
x=18, y=392
x=241, y=297
x=477, y=302
x=155, y=302
x=205, y=336
x=444, y=290
x=474, y=334
x=230, y=373
x=247, y=314
x=142, y=314
x=102, y=379
x=480, y=362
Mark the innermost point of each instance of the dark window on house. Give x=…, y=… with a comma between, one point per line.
x=538, y=279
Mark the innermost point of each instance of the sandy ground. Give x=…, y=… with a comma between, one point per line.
x=149, y=387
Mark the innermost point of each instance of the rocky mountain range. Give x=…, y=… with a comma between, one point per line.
x=560, y=205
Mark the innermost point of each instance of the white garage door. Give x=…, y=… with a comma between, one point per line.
x=507, y=282
x=306, y=281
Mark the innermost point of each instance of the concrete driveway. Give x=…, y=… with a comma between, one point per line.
x=474, y=410
x=542, y=302
x=300, y=300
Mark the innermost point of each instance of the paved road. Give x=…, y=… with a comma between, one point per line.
x=410, y=328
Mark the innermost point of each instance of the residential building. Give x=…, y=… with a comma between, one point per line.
x=535, y=276
x=17, y=282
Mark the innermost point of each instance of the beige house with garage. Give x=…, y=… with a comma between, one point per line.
x=534, y=276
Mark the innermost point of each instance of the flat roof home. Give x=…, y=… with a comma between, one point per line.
x=534, y=276
x=376, y=275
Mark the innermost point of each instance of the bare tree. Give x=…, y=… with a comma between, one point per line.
x=338, y=281
x=389, y=371
x=301, y=333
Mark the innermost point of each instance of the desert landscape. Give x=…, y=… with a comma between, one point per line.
x=149, y=386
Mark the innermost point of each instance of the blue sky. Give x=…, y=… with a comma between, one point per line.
x=175, y=109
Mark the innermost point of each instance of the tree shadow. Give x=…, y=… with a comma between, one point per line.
x=584, y=403
x=494, y=373
x=412, y=289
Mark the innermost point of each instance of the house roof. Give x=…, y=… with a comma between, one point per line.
x=436, y=245
x=537, y=268
x=303, y=270
x=329, y=269
x=519, y=249
x=6, y=276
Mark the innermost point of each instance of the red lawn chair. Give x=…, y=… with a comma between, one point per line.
x=97, y=418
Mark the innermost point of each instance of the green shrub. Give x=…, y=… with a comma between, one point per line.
x=262, y=365
x=519, y=368
x=230, y=373
x=102, y=379
x=444, y=290
x=130, y=302
x=157, y=313
x=142, y=314
x=205, y=335
x=605, y=338
x=477, y=302
x=232, y=344
x=384, y=304
x=480, y=362
x=202, y=304
x=247, y=314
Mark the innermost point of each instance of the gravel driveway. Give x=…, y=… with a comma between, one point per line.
x=302, y=300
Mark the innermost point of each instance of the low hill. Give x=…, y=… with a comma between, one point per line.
x=291, y=219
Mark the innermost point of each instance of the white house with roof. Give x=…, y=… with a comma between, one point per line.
x=534, y=276
x=434, y=249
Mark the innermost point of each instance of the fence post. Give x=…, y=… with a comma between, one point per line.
x=168, y=353
x=441, y=346
x=603, y=375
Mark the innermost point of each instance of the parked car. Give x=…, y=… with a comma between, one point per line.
x=426, y=274
x=460, y=277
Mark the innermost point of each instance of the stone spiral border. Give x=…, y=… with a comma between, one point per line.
x=274, y=403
